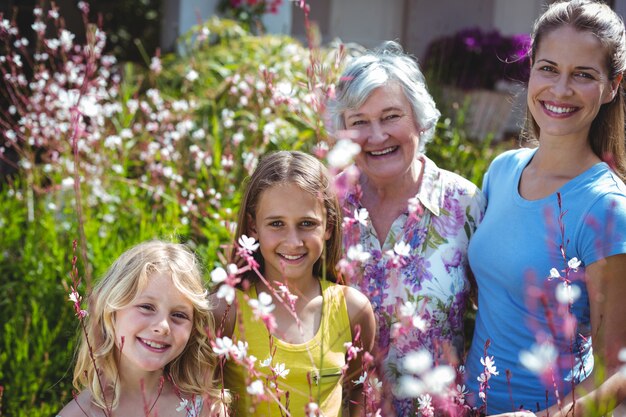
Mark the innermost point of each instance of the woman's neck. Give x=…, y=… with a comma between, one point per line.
x=396, y=189
x=563, y=158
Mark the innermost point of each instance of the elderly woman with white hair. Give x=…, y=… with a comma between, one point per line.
x=413, y=218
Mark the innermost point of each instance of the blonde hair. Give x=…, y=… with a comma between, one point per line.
x=308, y=173
x=192, y=372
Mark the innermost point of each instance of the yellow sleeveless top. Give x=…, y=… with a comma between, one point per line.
x=315, y=367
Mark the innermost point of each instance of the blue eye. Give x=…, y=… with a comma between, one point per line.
x=180, y=315
x=584, y=75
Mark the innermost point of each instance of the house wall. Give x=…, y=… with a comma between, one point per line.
x=181, y=15
x=367, y=22
x=511, y=17
x=429, y=19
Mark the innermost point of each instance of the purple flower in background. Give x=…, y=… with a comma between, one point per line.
x=473, y=58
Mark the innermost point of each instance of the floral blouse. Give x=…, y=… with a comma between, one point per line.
x=418, y=281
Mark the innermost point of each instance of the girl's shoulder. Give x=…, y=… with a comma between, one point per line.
x=80, y=406
x=355, y=299
x=360, y=313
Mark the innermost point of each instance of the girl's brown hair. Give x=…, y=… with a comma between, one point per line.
x=311, y=176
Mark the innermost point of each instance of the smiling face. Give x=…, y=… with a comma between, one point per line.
x=290, y=226
x=568, y=83
x=155, y=326
x=387, y=133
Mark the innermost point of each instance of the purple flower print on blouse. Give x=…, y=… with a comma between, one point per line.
x=432, y=273
x=450, y=221
x=452, y=258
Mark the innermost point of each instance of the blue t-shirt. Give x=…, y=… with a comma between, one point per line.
x=512, y=254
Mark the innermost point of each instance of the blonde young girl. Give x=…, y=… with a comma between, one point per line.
x=289, y=207
x=147, y=334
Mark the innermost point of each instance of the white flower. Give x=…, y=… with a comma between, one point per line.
x=376, y=384
x=414, y=204
x=66, y=39
x=483, y=377
x=489, y=364
x=74, y=297
x=566, y=293
x=402, y=249
x=263, y=305
x=88, y=106
x=554, y=273
x=573, y=263
x=113, y=142
x=248, y=243
x=280, y=370
x=343, y=153
x=417, y=362
x=409, y=386
x=312, y=409
x=218, y=275
x=192, y=75
x=622, y=357
x=67, y=182
x=361, y=379
x=240, y=350
x=227, y=293
x=266, y=362
x=461, y=392
x=39, y=27
x=255, y=388
x=407, y=309
x=419, y=323
x=356, y=253
x=155, y=65
x=425, y=405
x=439, y=378
x=540, y=357
x=223, y=346
x=361, y=215
x=183, y=405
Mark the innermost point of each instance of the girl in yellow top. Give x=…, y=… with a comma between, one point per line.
x=301, y=348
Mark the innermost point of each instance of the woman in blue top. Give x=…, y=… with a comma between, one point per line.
x=550, y=255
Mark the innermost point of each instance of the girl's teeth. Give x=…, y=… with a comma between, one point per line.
x=560, y=110
x=292, y=257
x=383, y=152
x=154, y=344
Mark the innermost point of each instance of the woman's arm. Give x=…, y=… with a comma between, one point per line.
x=606, y=283
x=363, y=322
